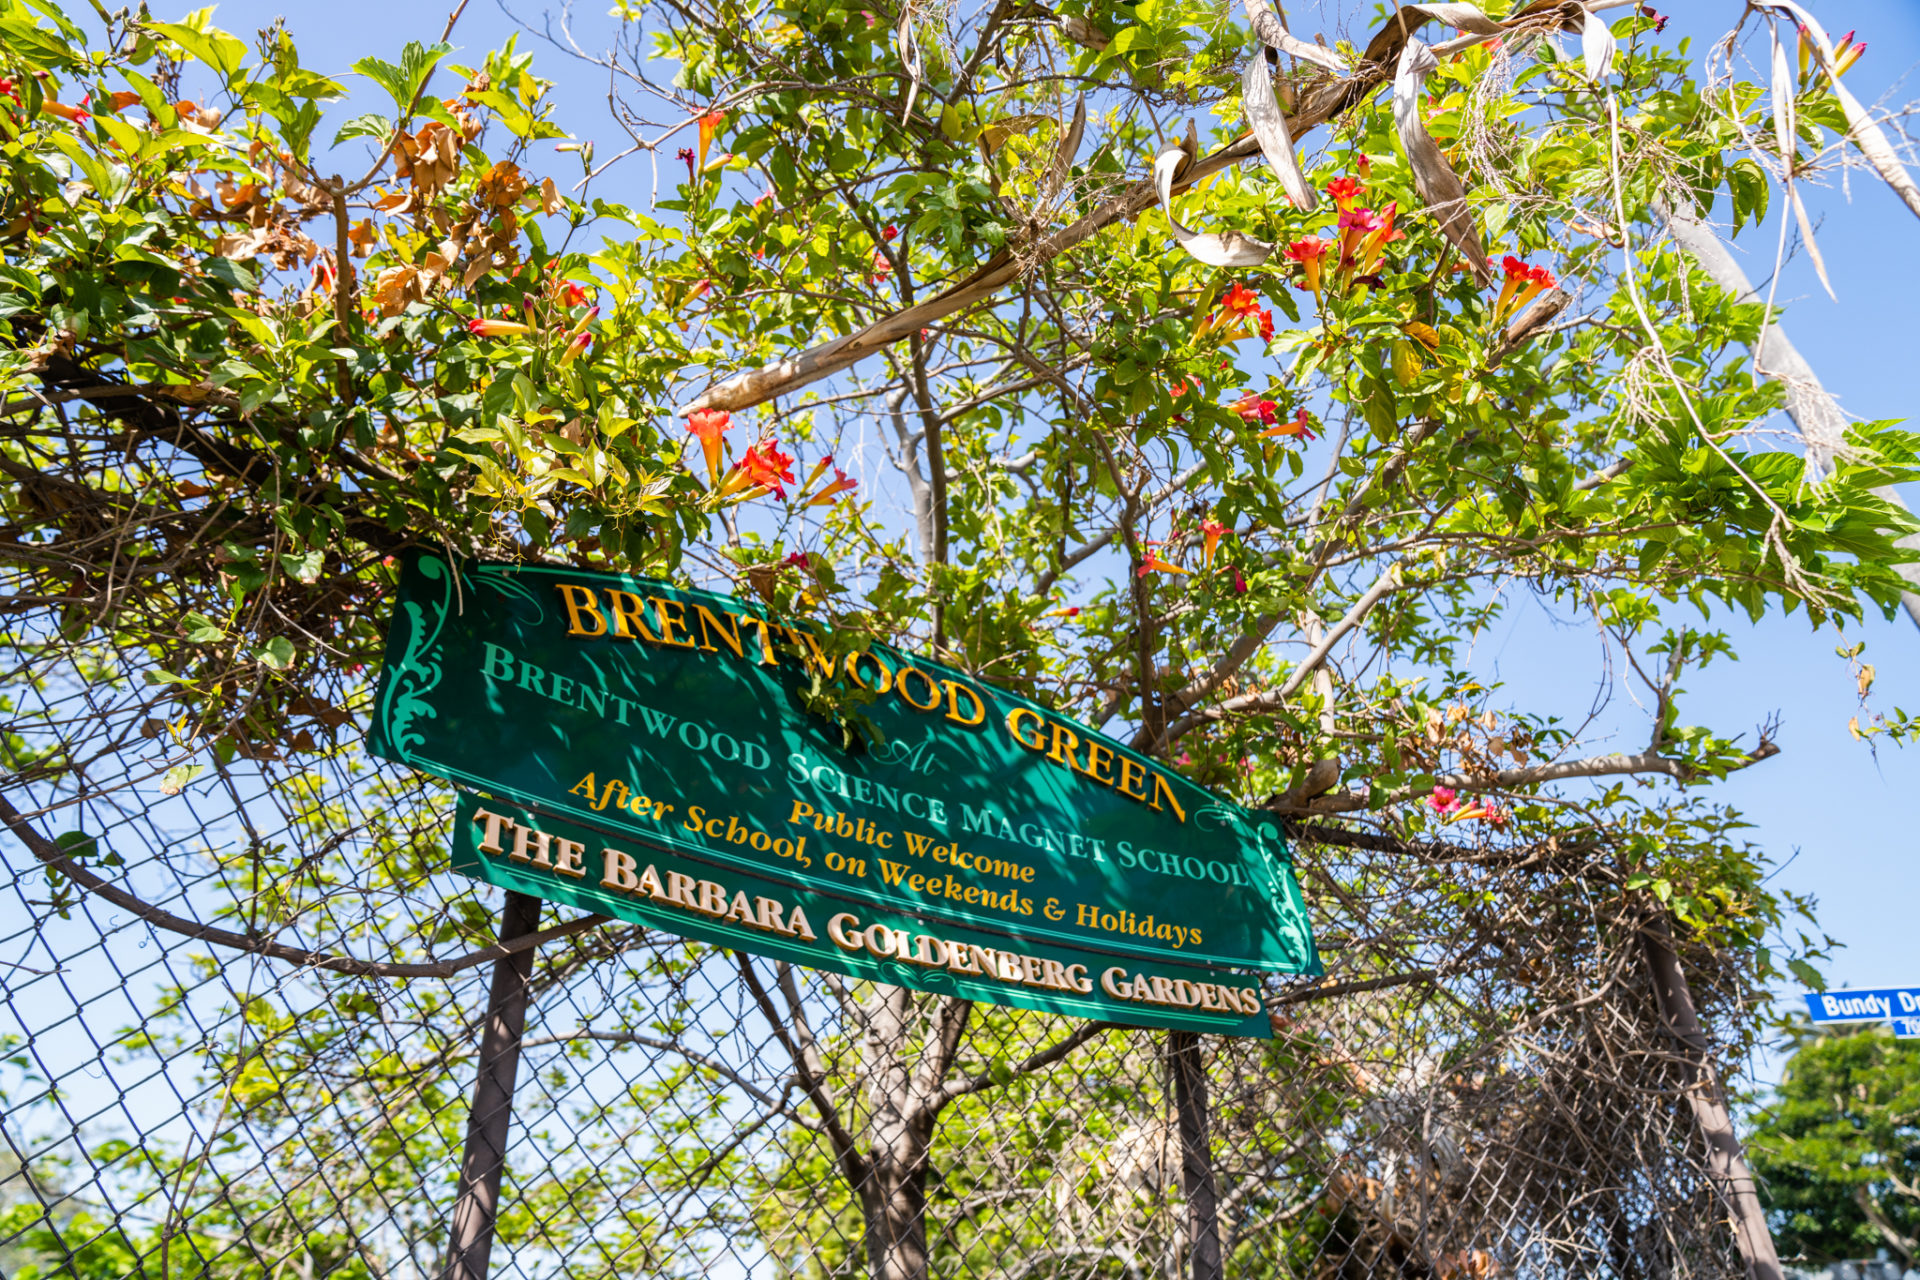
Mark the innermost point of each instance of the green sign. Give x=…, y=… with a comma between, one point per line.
x=517, y=848
x=666, y=722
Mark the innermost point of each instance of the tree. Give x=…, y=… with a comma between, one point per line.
x=1251, y=517
x=1838, y=1145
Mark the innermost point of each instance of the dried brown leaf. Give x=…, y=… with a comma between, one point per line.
x=1269, y=125
x=1438, y=185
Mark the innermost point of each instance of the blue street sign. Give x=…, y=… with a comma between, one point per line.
x=1906, y=1028
x=1879, y=1005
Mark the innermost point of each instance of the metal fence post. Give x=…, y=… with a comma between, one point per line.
x=470, y=1248
x=1196, y=1156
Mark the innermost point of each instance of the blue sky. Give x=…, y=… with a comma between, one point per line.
x=1836, y=817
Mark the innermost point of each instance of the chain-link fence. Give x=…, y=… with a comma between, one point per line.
x=244, y=1008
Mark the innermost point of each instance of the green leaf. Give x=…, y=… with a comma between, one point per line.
x=306, y=566
x=175, y=780
x=371, y=125
x=276, y=654
x=403, y=83
x=209, y=44
x=1807, y=974
x=202, y=629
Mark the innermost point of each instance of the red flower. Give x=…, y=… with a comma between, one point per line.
x=1154, y=564
x=709, y=425
x=890, y=232
x=1346, y=192
x=1444, y=800
x=497, y=328
x=65, y=112
x=1308, y=254
x=1242, y=303
x=1848, y=55
x=1522, y=282
x=709, y=126
x=1211, y=531
x=1239, y=583
x=1071, y=611
x=576, y=347
x=686, y=153
x=9, y=89
x=798, y=560
x=1301, y=427
x=1355, y=226
x=767, y=468
x=1377, y=241
x=1252, y=408
x=839, y=485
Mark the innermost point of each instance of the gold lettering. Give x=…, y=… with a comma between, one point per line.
x=1060, y=754
x=1161, y=788
x=837, y=930
x=566, y=858
x=811, y=652
x=933, y=690
x=668, y=621
x=797, y=925
x=618, y=874
x=954, y=690
x=1098, y=759
x=710, y=626
x=853, y=671
x=579, y=600
x=1013, y=727
x=1132, y=773
x=629, y=616
x=768, y=658
x=490, y=843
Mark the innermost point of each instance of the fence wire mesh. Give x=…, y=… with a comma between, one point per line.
x=242, y=1012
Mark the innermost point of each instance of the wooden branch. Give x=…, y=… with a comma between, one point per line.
x=1527, y=324
x=342, y=283
x=50, y=854
x=1385, y=585
x=1248, y=644
x=693, y=1056
x=812, y=1076
x=1035, y=1062
x=1328, y=990
x=1612, y=765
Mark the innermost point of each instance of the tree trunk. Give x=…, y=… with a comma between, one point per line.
x=1196, y=1156
x=477, y=1205
x=894, y=1199
x=1726, y=1165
